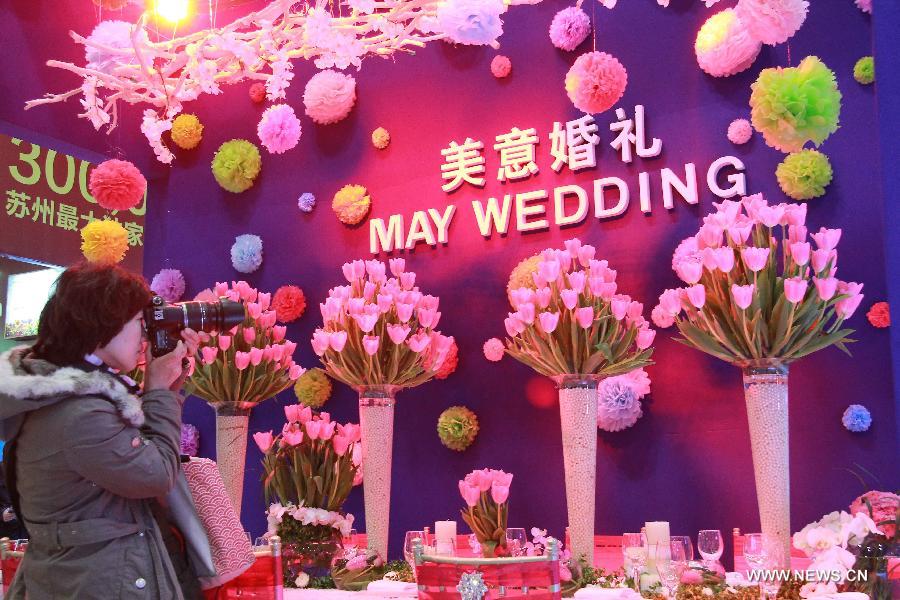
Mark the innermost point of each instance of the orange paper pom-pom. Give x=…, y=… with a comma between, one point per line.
x=880, y=315
x=117, y=184
x=288, y=303
x=351, y=204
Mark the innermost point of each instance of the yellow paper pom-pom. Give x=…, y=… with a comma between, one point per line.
x=521, y=275
x=104, y=242
x=381, y=138
x=351, y=204
x=187, y=130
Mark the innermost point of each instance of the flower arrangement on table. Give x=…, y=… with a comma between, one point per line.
x=486, y=493
x=575, y=327
x=236, y=370
x=760, y=295
x=310, y=468
x=379, y=335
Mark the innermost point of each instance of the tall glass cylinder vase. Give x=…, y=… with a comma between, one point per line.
x=232, y=419
x=376, y=419
x=578, y=419
x=766, y=394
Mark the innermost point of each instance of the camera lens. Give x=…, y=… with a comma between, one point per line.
x=212, y=316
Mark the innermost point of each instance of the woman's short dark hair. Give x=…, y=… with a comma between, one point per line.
x=88, y=307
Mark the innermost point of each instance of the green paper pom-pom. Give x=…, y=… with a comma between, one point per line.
x=457, y=427
x=236, y=165
x=313, y=388
x=794, y=105
x=864, y=70
x=804, y=175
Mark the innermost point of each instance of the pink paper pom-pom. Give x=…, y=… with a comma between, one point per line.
x=258, y=92
x=724, y=46
x=740, y=131
x=117, y=184
x=865, y=6
x=493, y=349
x=772, y=21
x=329, y=96
x=596, y=82
x=169, y=283
x=501, y=66
x=569, y=28
x=279, y=128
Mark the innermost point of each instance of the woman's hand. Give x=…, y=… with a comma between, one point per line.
x=169, y=371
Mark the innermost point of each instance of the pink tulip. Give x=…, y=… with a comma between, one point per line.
x=753, y=203
x=278, y=332
x=619, y=307
x=846, y=307
x=513, y=325
x=341, y=444
x=543, y=296
x=585, y=316
x=549, y=270
x=755, y=258
x=425, y=317
x=645, y=338
x=670, y=301
x=418, y=342
x=569, y=298
x=295, y=372
x=249, y=334
x=385, y=302
x=224, y=342
x=337, y=340
x=264, y=300
x=221, y=289
x=795, y=289
x=527, y=311
x=404, y=312
x=770, y=216
x=821, y=258
x=398, y=266
x=548, y=321
x=264, y=439
x=586, y=254
x=208, y=354
x=320, y=342
x=370, y=344
x=256, y=356
x=369, y=291
x=480, y=479
x=267, y=354
x=499, y=493
x=826, y=287
x=572, y=246
x=351, y=431
x=356, y=306
x=800, y=252
x=398, y=333
x=500, y=477
x=577, y=280
x=292, y=435
x=408, y=280
x=470, y=494
x=795, y=214
x=313, y=428
x=326, y=429
x=797, y=233
x=709, y=259
x=521, y=295
x=233, y=296
x=241, y=360
x=351, y=270
x=277, y=352
x=728, y=210
x=710, y=235
x=740, y=230
x=697, y=295
x=725, y=259
x=254, y=310
x=827, y=239
x=366, y=322
x=292, y=412
x=376, y=270
x=743, y=295
x=689, y=271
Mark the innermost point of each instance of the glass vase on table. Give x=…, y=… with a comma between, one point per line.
x=711, y=547
x=634, y=555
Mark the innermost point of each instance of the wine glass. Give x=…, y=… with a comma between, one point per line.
x=409, y=552
x=764, y=553
x=686, y=543
x=671, y=563
x=634, y=554
x=515, y=541
x=710, y=545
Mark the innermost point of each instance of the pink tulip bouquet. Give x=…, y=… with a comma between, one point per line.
x=744, y=300
x=575, y=321
x=249, y=363
x=486, y=492
x=380, y=330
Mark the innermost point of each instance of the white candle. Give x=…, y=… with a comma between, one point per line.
x=657, y=532
x=445, y=531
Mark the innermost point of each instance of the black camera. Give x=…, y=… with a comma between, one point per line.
x=165, y=321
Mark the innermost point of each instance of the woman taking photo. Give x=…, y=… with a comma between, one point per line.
x=86, y=456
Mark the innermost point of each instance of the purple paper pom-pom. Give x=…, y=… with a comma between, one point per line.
x=190, y=439
x=569, y=28
x=168, y=283
x=618, y=406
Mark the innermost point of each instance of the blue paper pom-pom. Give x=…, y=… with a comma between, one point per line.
x=246, y=253
x=306, y=202
x=857, y=418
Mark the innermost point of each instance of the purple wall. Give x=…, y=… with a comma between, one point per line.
x=688, y=459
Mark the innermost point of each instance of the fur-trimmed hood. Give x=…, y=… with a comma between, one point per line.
x=43, y=383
